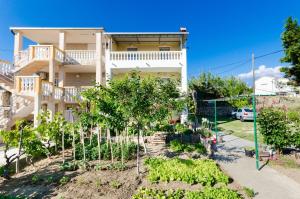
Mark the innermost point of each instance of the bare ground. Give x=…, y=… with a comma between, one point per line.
x=103, y=184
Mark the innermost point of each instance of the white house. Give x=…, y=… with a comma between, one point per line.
x=273, y=86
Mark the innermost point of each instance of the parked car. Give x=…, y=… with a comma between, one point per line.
x=244, y=114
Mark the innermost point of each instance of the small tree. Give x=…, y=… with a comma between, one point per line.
x=274, y=126
x=25, y=140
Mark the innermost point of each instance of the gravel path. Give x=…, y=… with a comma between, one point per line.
x=267, y=182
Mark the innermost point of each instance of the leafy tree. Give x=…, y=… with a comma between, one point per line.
x=208, y=86
x=25, y=140
x=274, y=126
x=291, y=44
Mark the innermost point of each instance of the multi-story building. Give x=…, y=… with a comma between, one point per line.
x=62, y=62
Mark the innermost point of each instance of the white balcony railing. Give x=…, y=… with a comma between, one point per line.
x=58, y=93
x=38, y=53
x=82, y=57
x=6, y=70
x=47, y=90
x=72, y=94
x=145, y=55
x=27, y=84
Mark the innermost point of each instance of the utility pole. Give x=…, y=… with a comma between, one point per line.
x=254, y=114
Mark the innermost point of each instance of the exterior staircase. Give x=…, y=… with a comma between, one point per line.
x=159, y=138
x=12, y=105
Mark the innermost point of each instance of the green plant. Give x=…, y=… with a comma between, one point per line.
x=273, y=125
x=206, y=193
x=50, y=180
x=249, y=148
x=205, y=132
x=35, y=179
x=5, y=196
x=115, y=184
x=249, y=192
x=205, y=172
x=177, y=146
x=98, y=183
x=69, y=166
x=64, y=180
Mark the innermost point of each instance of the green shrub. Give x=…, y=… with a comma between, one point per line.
x=64, y=180
x=69, y=166
x=205, y=132
x=91, y=151
x=177, y=146
x=207, y=193
x=249, y=192
x=35, y=179
x=205, y=172
x=115, y=184
x=273, y=125
x=4, y=196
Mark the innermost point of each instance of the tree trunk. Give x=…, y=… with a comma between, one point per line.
x=99, y=142
x=144, y=144
x=111, y=149
x=19, y=152
x=6, y=167
x=138, y=152
x=122, y=149
x=73, y=144
x=83, y=144
x=63, y=144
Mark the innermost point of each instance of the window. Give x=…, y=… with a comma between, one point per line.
x=164, y=48
x=132, y=49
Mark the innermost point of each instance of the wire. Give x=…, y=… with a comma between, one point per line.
x=271, y=53
x=234, y=68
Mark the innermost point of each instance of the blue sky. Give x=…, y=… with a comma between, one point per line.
x=221, y=32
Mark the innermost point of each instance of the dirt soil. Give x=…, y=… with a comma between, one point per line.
x=103, y=184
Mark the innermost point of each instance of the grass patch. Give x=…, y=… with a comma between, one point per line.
x=177, y=146
x=240, y=129
x=205, y=172
x=285, y=161
x=249, y=192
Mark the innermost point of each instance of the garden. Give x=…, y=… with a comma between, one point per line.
x=105, y=152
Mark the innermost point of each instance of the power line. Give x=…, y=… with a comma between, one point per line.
x=234, y=68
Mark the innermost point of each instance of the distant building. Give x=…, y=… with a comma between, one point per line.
x=273, y=86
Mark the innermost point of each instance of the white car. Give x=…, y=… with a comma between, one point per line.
x=244, y=114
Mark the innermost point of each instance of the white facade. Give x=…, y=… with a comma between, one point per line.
x=65, y=61
x=273, y=86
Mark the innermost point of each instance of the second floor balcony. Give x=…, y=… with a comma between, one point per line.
x=42, y=54
x=145, y=59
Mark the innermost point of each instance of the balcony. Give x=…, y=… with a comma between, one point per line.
x=38, y=54
x=43, y=54
x=80, y=57
x=145, y=59
x=72, y=94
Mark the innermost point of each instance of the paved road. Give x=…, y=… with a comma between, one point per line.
x=267, y=182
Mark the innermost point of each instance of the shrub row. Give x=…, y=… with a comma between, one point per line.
x=177, y=146
x=207, y=193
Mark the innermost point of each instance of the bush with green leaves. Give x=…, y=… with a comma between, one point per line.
x=205, y=172
x=274, y=127
x=69, y=166
x=206, y=193
x=178, y=146
x=91, y=150
x=280, y=128
x=5, y=196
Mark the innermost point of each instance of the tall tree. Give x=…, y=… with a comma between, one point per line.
x=291, y=44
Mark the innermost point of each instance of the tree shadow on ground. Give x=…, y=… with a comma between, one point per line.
x=39, y=184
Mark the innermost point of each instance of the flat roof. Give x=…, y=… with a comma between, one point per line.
x=55, y=28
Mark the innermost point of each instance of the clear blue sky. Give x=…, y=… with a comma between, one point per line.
x=221, y=31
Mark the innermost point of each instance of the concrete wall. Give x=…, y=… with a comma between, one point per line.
x=80, y=79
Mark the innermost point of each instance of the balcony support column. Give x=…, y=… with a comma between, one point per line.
x=52, y=69
x=37, y=100
x=99, y=58
x=61, y=42
x=61, y=78
x=107, y=66
x=184, y=85
x=18, y=43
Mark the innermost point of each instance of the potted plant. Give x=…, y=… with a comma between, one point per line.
x=249, y=151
